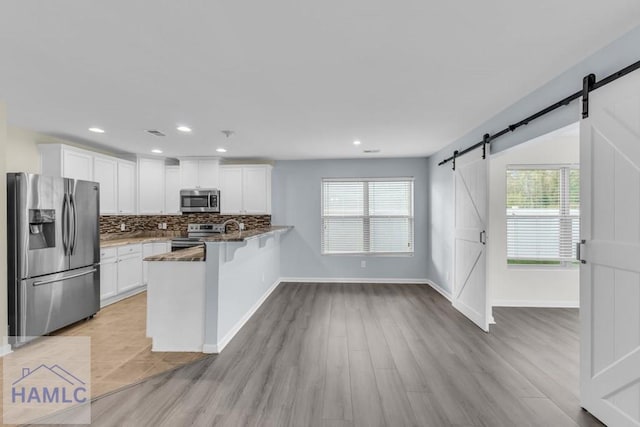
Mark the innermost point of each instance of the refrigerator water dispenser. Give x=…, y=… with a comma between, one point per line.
x=42, y=228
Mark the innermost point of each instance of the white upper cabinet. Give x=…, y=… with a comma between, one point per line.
x=208, y=173
x=126, y=187
x=172, y=189
x=230, y=189
x=105, y=172
x=256, y=189
x=117, y=177
x=245, y=189
x=189, y=173
x=66, y=161
x=117, y=180
x=199, y=173
x=151, y=186
x=77, y=164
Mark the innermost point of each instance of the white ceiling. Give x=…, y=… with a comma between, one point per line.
x=294, y=79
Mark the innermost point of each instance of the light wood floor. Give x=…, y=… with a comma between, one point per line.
x=120, y=351
x=369, y=355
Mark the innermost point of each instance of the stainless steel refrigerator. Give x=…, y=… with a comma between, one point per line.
x=53, y=253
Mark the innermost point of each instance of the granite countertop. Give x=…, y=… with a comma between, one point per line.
x=241, y=236
x=197, y=253
x=131, y=240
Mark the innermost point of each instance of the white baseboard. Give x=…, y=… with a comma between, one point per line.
x=5, y=349
x=540, y=304
x=440, y=290
x=171, y=348
x=208, y=348
x=470, y=313
x=354, y=280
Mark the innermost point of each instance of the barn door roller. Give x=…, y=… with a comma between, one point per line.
x=587, y=86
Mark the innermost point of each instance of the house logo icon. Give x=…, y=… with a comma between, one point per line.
x=48, y=385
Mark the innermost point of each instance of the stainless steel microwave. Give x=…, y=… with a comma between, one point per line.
x=200, y=200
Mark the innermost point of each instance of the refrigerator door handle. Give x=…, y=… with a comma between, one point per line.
x=73, y=276
x=65, y=224
x=74, y=211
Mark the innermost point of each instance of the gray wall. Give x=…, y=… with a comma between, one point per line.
x=608, y=60
x=296, y=201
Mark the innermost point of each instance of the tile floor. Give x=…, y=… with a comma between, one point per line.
x=120, y=351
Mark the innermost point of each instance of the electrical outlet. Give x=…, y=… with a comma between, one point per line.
x=164, y=225
x=241, y=226
x=363, y=264
x=123, y=226
x=160, y=226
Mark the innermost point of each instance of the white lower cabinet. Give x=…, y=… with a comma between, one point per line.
x=108, y=273
x=129, y=272
x=121, y=271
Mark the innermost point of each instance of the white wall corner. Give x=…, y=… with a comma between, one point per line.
x=5, y=349
x=208, y=348
x=442, y=291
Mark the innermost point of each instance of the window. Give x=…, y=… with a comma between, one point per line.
x=367, y=216
x=543, y=214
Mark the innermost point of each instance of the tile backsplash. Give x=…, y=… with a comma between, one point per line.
x=176, y=224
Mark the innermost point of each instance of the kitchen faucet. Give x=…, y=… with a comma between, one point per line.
x=224, y=224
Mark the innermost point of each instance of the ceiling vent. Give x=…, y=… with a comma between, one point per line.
x=155, y=132
x=371, y=151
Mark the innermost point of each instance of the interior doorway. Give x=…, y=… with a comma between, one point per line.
x=534, y=222
x=533, y=275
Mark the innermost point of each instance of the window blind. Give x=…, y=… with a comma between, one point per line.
x=367, y=216
x=543, y=214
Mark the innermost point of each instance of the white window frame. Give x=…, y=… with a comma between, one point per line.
x=366, y=218
x=564, y=212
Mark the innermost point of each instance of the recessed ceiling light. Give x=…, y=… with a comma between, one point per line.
x=96, y=130
x=356, y=142
x=221, y=150
x=155, y=150
x=184, y=129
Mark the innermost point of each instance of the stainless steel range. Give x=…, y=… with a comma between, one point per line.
x=196, y=232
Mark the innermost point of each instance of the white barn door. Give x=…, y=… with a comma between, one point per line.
x=610, y=229
x=470, y=249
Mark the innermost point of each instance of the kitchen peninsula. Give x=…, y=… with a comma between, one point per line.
x=199, y=298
